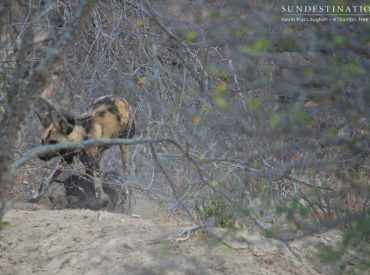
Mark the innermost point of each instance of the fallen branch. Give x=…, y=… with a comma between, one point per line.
x=186, y=233
x=182, y=236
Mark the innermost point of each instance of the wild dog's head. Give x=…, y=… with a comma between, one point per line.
x=57, y=128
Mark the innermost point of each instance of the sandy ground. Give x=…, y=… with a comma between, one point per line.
x=41, y=241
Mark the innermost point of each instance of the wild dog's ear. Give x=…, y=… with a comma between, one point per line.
x=44, y=118
x=43, y=111
x=66, y=125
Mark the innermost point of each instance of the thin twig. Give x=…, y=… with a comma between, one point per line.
x=172, y=184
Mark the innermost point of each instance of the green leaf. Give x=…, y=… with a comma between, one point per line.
x=339, y=40
x=4, y=224
x=191, y=36
x=213, y=70
x=261, y=44
x=221, y=87
x=252, y=104
x=353, y=68
x=275, y=121
x=284, y=44
x=215, y=13
x=220, y=101
x=301, y=117
x=219, y=98
x=258, y=45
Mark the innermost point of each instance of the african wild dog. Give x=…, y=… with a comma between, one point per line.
x=108, y=117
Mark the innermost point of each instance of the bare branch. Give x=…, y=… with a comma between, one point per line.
x=82, y=145
x=172, y=184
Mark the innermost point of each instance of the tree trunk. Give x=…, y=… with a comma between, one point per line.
x=26, y=87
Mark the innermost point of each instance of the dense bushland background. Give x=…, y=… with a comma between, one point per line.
x=271, y=118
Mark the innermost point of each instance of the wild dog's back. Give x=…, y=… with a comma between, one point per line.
x=114, y=116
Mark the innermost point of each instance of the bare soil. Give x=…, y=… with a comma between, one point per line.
x=42, y=241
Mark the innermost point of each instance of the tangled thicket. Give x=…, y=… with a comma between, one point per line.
x=272, y=117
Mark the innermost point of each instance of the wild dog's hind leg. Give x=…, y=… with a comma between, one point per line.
x=124, y=157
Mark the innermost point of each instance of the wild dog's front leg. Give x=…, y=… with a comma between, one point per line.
x=124, y=157
x=44, y=185
x=91, y=160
